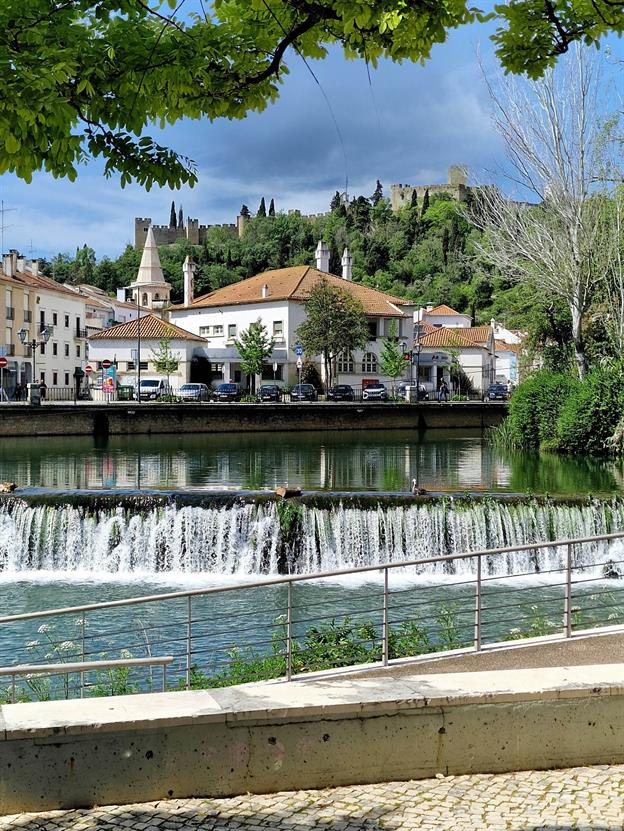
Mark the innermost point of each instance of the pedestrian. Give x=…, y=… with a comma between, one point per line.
x=443, y=392
x=17, y=392
x=43, y=388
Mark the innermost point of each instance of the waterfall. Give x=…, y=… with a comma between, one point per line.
x=247, y=539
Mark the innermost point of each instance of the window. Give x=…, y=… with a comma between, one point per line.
x=77, y=350
x=67, y=321
x=42, y=317
x=55, y=379
x=204, y=331
x=143, y=365
x=54, y=318
x=211, y=331
x=269, y=375
x=345, y=363
x=372, y=329
x=217, y=331
x=55, y=348
x=231, y=330
x=130, y=366
x=217, y=371
x=369, y=364
x=43, y=380
x=42, y=348
x=67, y=350
x=278, y=328
x=67, y=379
x=144, y=299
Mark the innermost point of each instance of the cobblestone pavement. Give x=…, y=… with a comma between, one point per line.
x=577, y=798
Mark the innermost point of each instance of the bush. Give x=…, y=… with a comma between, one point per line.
x=590, y=415
x=535, y=407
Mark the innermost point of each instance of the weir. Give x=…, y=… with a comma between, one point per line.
x=137, y=536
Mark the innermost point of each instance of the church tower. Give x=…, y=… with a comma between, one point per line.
x=151, y=290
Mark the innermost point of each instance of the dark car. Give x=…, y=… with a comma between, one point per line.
x=269, y=392
x=303, y=392
x=375, y=392
x=341, y=392
x=227, y=392
x=497, y=392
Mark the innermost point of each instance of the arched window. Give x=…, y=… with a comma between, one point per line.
x=369, y=363
x=345, y=362
x=144, y=300
x=156, y=296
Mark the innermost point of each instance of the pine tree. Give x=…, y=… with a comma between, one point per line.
x=244, y=211
x=377, y=195
x=261, y=208
x=180, y=218
x=172, y=216
x=425, y=204
x=336, y=202
x=272, y=208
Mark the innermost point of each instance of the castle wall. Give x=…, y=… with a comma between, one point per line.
x=401, y=195
x=165, y=235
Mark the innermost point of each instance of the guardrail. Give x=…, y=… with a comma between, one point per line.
x=279, y=627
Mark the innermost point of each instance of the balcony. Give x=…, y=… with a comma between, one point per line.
x=80, y=334
x=47, y=326
x=10, y=313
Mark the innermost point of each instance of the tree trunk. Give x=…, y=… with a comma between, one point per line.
x=577, y=340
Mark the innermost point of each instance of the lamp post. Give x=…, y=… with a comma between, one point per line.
x=34, y=344
x=417, y=349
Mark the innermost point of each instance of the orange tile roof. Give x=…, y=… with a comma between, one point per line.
x=152, y=328
x=451, y=338
x=296, y=283
x=501, y=346
x=443, y=310
x=40, y=281
x=478, y=334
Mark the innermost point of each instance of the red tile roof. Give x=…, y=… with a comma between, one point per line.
x=296, y=283
x=443, y=310
x=152, y=328
x=451, y=338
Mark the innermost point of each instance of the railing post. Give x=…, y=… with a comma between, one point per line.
x=477, y=623
x=82, y=653
x=289, y=633
x=13, y=689
x=385, y=648
x=189, y=638
x=567, y=611
x=164, y=666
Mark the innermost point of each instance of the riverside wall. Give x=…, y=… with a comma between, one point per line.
x=134, y=419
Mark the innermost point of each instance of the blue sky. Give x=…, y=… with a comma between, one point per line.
x=409, y=127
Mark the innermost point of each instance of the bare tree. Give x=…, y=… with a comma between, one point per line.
x=553, y=130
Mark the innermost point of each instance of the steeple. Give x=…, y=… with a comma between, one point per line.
x=150, y=270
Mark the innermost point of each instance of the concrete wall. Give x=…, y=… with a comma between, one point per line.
x=306, y=734
x=132, y=419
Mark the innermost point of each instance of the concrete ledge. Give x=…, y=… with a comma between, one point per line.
x=307, y=734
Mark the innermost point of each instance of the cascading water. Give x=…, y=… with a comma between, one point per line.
x=248, y=539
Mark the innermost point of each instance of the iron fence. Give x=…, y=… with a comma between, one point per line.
x=283, y=626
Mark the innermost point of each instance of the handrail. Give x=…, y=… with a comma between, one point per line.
x=300, y=578
x=82, y=666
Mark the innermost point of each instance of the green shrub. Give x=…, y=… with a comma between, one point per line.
x=591, y=412
x=535, y=407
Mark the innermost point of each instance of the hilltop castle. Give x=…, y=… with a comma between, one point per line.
x=178, y=229
x=457, y=187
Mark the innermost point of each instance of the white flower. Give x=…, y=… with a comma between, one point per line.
x=45, y=627
x=66, y=646
x=32, y=644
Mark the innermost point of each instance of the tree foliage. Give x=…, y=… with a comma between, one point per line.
x=86, y=78
x=391, y=358
x=165, y=361
x=254, y=347
x=335, y=322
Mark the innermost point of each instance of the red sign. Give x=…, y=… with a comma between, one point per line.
x=3, y=363
x=88, y=369
x=106, y=364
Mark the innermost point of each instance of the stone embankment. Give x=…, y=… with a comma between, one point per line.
x=134, y=419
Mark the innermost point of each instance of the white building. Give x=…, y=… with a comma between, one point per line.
x=122, y=344
x=150, y=289
x=57, y=308
x=508, y=346
x=278, y=298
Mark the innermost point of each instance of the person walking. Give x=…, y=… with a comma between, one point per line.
x=443, y=392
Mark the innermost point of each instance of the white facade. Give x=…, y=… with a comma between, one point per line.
x=122, y=353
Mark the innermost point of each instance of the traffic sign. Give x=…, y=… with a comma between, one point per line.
x=299, y=350
x=299, y=363
x=3, y=363
x=106, y=364
x=88, y=369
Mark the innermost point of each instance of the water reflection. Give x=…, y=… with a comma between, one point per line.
x=373, y=460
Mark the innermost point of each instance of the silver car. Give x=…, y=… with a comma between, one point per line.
x=194, y=392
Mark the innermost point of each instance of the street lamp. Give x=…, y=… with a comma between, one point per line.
x=34, y=344
x=417, y=349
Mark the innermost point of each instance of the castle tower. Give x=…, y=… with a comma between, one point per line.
x=151, y=290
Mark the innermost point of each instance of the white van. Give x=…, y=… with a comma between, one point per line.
x=153, y=388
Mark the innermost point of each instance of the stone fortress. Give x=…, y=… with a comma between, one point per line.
x=188, y=229
x=457, y=187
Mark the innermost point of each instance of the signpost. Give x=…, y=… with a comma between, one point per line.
x=3, y=364
x=88, y=369
x=106, y=364
x=299, y=350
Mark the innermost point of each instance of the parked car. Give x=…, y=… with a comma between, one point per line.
x=227, y=392
x=423, y=394
x=375, y=392
x=151, y=389
x=341, y=392
x=496, y=392
x=303, y=392
x=269, y=392
x=194, y=392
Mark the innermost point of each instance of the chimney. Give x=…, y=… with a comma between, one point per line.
x=19, y=264
x=34, y=268
x=322, y=256
x=347, y=265
x=7, y=265
x=265, y=290
x=189, y=279
x=121, y=295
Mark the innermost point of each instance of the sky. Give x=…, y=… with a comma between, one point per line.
x=407, y=125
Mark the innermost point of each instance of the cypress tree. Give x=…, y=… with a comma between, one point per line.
x=244, y=211
x=172, y=216
x=180, y=218
x=414, y=202
x=336, y=202
x=378, y=194
x=425, y=204
x=261, y=208
x=272, y=208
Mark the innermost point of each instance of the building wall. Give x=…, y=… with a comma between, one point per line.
x=66, y=350
x=165, y=235
x=16, y=309
x=122, y=354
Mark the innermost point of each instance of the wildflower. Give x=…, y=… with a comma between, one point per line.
x=32, y=644
x=66, y=646
x=514, y=631
x=45, y=627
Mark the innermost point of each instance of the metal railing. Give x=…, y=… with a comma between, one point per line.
x=283, y=626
